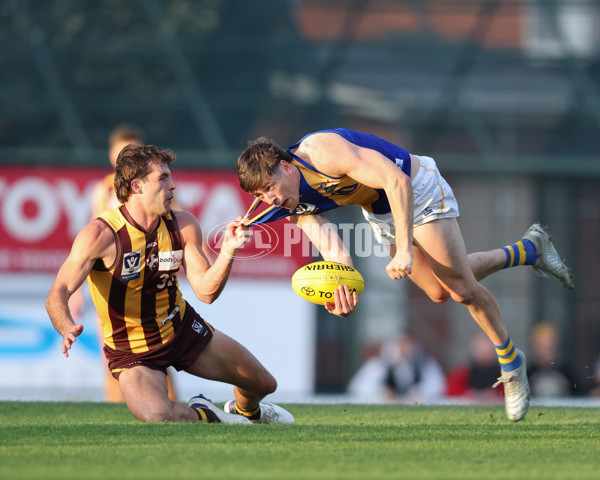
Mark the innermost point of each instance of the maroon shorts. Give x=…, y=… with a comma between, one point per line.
x=180, y=351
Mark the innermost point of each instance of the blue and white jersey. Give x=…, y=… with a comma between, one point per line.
x=320, y=192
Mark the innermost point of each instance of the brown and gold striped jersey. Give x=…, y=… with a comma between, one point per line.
x=138, y=298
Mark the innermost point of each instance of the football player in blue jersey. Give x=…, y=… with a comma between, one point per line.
x=412, y=210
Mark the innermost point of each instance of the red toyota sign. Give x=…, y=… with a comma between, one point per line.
x=43, y=208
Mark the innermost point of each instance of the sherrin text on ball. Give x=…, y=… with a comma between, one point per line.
x=317, y=281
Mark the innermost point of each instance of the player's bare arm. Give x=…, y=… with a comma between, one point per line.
x=324, y=237
x=94, y=242
x=208, y=280
x=333, y=155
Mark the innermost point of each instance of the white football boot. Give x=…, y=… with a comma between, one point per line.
x=516, y=391
x=269, y=413
x=200, y=402
x=548, y=259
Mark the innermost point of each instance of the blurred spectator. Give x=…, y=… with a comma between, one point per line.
x=103, y=196
x=548, y=378
x=473, y=381
x=403, y=371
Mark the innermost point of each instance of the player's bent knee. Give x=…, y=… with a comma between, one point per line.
x=155, y=414
x=439, y=296
x=260, y=384
x=153, y=417
x=268, y=385
x=463, y=296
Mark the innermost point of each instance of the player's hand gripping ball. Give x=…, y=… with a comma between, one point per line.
x=317, y=281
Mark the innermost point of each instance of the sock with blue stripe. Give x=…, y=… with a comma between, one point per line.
x=521, y=253
x=508, y=356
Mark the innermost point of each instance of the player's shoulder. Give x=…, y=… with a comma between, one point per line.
x=322, y=151
x=184, y=218
x=189, y=226
x=97, y=229
x=94, y=239
x=320, y=140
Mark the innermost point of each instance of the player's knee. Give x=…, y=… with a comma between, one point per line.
x=267, y=385
x=262, y=385
x=463, y=295
x=439, y=296
x=156, y=413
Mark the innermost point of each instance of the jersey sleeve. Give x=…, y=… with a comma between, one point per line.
x=273, y=215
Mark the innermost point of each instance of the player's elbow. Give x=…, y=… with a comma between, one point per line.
x=397, y=181
x=211, y=299
x=51, y=302
x=207, y=297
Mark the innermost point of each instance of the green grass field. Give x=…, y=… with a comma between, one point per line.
x=103, y=441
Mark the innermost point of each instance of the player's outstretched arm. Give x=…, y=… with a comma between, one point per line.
x=207, y=281
x=333, y=155
x=323, y=234
x=92, y=243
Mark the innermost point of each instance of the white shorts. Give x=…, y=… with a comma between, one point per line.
x=433, y=199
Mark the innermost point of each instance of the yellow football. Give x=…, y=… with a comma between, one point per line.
x=317, y=281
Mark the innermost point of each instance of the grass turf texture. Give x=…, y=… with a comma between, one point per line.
x=103, y=441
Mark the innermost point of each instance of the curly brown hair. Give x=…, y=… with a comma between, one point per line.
x=134, y=163
x=258, y=162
